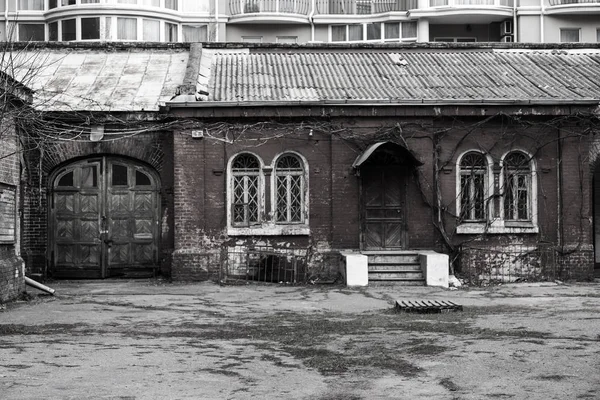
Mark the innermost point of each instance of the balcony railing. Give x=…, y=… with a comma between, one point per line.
x=568, y=2
x=237, y=7
x=452, y=3
x=364, y=6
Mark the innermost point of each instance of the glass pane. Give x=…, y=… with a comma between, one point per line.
x=90, y=28
x=31, y=32
x=409, y=30
x=68, y=2
x=338, y=33
x=598, y=35
x=374, y=31
x=107, y=28
x=31, y=4
x=89, y=177
x=197, y=6
x=141, y=179
x=355, y=32
x=66, y=180
x=153, y=3
x=89, y=1
x=52, y=4
x=171, y=4
x=53, y=31
x=170, y=32
x=569, y=35
x=68, y=29
x=194, y=33
x=127, y=1
x=119, y=175
x=151, y=30
x=126, y=28
x=392, y=30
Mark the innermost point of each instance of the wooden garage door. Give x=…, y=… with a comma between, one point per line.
x=104, y=220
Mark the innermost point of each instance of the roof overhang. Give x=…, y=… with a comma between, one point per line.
x=372, y=148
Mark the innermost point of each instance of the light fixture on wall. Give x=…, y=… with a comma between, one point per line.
x=96, y=133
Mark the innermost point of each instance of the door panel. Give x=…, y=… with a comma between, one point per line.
x=384, y=207
x=105, y=220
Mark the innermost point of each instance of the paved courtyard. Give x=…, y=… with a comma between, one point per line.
x=156, y=340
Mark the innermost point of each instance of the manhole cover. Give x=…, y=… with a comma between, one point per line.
x=427, y=306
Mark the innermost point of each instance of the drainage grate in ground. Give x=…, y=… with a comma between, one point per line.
x=427, y=306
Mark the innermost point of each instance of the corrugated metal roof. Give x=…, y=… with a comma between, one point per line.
x=397, y=75
x=99, y=79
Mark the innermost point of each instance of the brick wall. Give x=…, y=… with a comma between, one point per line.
x=200, y=167
x=11, y=264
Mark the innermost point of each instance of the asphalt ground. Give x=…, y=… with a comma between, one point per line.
x=151, y=339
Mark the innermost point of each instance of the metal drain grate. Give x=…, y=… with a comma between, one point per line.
x=427, y=306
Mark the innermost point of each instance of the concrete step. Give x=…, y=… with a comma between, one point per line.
x=395, y=267
x=381, y=275
x=393, y=258
x=398, y=282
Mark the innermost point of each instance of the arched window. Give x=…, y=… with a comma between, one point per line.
x=517, y=175
x=246, y=190
x=473, y=187
x=289, y=189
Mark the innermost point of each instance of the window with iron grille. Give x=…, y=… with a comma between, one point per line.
x=246, y=190
x=473, y=184
x=517, y=187
x=289, y=182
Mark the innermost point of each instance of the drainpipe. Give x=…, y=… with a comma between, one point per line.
x=311, y=19
x=559, y=190
x=542, y=7
x=217, y=20
x=515, y=26
x=6, y=20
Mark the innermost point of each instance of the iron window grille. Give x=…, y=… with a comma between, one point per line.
x=289, y=181
x=473, y=171
x=517, y=187
x=246, y=190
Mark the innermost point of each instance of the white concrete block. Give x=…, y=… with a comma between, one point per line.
x=435, y=267
x=356, y=270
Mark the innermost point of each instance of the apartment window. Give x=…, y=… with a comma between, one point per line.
x=31, y=5
x=287, y=39
x=473, y=187
x=127, y=1
x=52, y=4
x=108, y=28
x=31, y=32
x=246, y=190
x=67, y=2
x=289, y=189
x=126, y=28
x=517, y=176
x=343, y=33
x=199, y=6
x=53, y=31
x=89, y=1
x=69, y=29
x=598, y=35
x=151, y=30
x=90, y=28
x=570, y=35
x=252, y=39
x=170, y=32
x=171, y=4
x=409, y=30
x=151, y=3
x=374, y=31
x=194, y=33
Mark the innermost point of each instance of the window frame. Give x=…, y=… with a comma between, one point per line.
x=531, y=181
x=487, y=190
x=561, y=30
x=231, y=175
x=303, y=174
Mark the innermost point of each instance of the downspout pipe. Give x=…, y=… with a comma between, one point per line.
x=37, y=285
x=313, y=7
x=542, y=7
x=515, y=22
x=559, y=206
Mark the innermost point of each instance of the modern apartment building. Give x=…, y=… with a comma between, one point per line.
x=301, y=21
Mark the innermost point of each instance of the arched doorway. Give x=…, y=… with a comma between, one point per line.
x=384, y=168
x=104, y=219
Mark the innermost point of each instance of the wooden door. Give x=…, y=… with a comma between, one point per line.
x=384, y=207
x=104, y=220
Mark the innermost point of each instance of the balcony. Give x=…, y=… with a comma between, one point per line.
x=574, y=7
x=269, y=11
x=464, y=11
x=364, y=7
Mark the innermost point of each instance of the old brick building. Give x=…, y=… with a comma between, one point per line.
x=15, y=104
x=481, y=153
